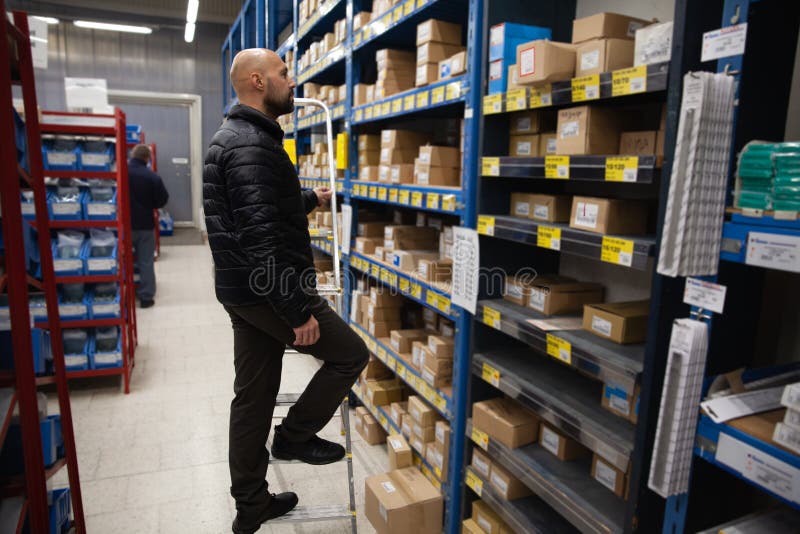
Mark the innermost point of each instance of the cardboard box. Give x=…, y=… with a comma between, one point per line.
x=544, y=61
x=524, y=145
x=606, y=25
x=406, y=236
x=388, y=54
x=561, y=297
x=419, y=353
x=441, y=347
x=402, y=139
x=368, y=174
x=402, y=174
x=407, y=260
x=426, y=73
x=505, y=37
x=403, y=501
x=653, y=44
x=603, y=55
x=371, y=229
x=439, y=176
x=558, y=444
x=381, y=329
x=406, y=426
x=512, y=80
x=468, y=526
x=452, y=66
x=608, y=216
x=436, y=377
x=517, y=290
x=416, y=442
x=436, y=270
x=549, y=208
x=443, y=434
x=376, y=370
x=638, y=143
x=506, y=484
x=547, y=144
x=384, y=392
x=481, y=463
x=402, y=340
x=395, y=156
x=438, y=31
x=587, y=130
x=488, y=520
x=366, y=245
x=376, y=313
x=437, y=456
x=426, y=433
x=385, y=173
x=385, y=298
x=506, y=421
x=360, y=94
x=440, y=156
x=421, y=412
x=369, y=142
x=399, y=452
x=396, y=411
x=371, y=430
x=621, y=403
x=608, y=475
x=529, y=122
x=435, y=52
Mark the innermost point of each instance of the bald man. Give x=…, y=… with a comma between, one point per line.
x=256, y=216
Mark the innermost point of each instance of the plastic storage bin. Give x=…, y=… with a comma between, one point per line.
x=72, y=302
x=100, y=253
x=67, y=249
x=20, y=140
x=60, y=154
x=65, y=203
x=133, y=133
x=60, y=501
x=37, y=306
x=106, y=348
x=42, y=350
x=76, y=348
x=11, y=459
x=27, y=205
x=166, y=225
x=103, y=301
x=96, y=156
x=100, y=204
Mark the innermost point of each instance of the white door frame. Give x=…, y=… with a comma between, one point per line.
x=195, y=105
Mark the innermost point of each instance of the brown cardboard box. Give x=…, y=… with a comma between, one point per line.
x=402, y=139
x=376, y=313
x=506, y=421
x=524, y=145
x=371, y=431
x=360, y=94
x=441, y=347
x=481, y=463
x=384, y=298
x=550, y=208
x=468, y=526
x=416, y=442
x=396, y=411
x=608, y=216
x=419, y=353
x=438, y=31
x=384, y=392
x=547, y=144
x=506, y=484
x=402, y=174
x=371, y=229
x=608, y=475
x=557, y=443
x=638, y=143
x=517, y=290
x=368, y=174
x=411, y=238
x=453, y=66
x=440, y=156
x=544, y=61
x=561, y=297
x=425, y=433
x=388, y=54
x=406, y=426
x=369, y=142
x=385, y=173
x=429, y=315
x=603, y=55
x=403, y=501
x=426, y=73
x=623, y=322
x=407, y=260
x=443, y=434
x=488, y=520
x=621, y=403
x=380, y=329
x=513, y=77
x=438, y=270
x=366, y=245
x=660, y=147
x=437, y=456
x=402, y=340
x=399, y=452
x=421, y=412
x=435, y=52
x=606, y=25
x=439, y=176
x=521, y=204
x=395, y=156
x=587, y=130
x=530, y=122
x=376, y=370
x=371, y=93
x=438, y=377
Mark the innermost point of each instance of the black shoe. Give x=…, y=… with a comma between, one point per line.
x=279, y=504
x=316, y=451
x=147, y=303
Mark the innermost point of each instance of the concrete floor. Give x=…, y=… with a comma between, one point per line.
x=155, y=461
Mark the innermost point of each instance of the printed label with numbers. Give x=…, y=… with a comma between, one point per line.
x=493, y=104
x=416, y=199
x=517, y=99
x=629, y=81
x=622, y=168
x=408, y=7
x=432, y=201
x=541, y=96
x=485, y=225
x=423, y=99
x=491, y=317
x=382, y=193
x=437, y=95
x=586, y=88
x=453, y=91
x=480, y=438
x=491, y=375
x=409, y=103
x=548, y=237
x=615, y=250
x=474, y=483
x=559, y=348
x=393, y=195
x=490, y=166
x=449, y=202
x=404, y=196
x=556, y=167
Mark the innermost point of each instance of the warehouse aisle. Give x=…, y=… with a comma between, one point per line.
x=156, y=460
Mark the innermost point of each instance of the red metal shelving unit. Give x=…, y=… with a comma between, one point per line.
x=31, y=486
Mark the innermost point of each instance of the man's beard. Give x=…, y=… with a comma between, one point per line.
x=279, y=107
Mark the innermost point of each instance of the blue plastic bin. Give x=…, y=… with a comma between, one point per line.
x=133, y=133
x=97, y=264
x=20, y=140
x=506, y=36
x=96, y=156
x=166, y=224
x=96, y=207
x=60, y=505
x=42, y=350
x=65, y=210
x=101, y=307
x=71, y=308
x=76, y=348
x=27, y=205
x=68, y=265
x=60, y=155
x=11, y=458
x=105, y=359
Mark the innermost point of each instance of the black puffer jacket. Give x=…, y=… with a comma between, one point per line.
x=256, y=218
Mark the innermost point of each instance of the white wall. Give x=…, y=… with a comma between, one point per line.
x=663, y=10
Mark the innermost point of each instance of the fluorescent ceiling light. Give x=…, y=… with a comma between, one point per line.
x=112, y=27
x=49, y=20
x=188, y=33
x=191, y=11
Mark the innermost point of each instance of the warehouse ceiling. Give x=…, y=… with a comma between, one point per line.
x=161, y=12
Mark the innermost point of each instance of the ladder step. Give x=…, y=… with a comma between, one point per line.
x=328, y=290
x=286, y=399
x=276, y=461
x=308, y=514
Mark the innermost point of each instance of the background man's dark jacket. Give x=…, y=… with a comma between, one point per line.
x=147, y=193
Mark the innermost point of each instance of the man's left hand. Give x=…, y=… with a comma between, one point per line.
x=323, y=195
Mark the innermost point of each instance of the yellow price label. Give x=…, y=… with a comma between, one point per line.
x=421, y=3
x=449, y=202
x=444, y=304
x=453, y=90
x=404, y=196
x=491, y=375
x=397, y=14
x=432, y=299
x=372, y=346
x=375, y=270
x=437, y=95
x=397, y=105
x=490, y=166
x=358, y=38
x=485, y=224
x=408, y=7
x=405, y=285
x=401, y=372
x=339, y=187
x=480, y=438
x=491, y=317
x=391, y=362
x=441, y=403
x=541, y=96
x=517, y=99
x=423, y=99
x=384, y=274
x=629, y=81
x=382, y=193
x=368, y=113
x=475, y=483
x=393, y=195
x=386, y=108
x=373, y=191
x=416, y=291
x=548, y=237
x=622, y=168
x=586, y=88
x=559, y=349
x=381, y=354
x=359, y=115
x=416, y=199
x=432, y=201
x=383, y=421
x=493, y=104
x=409, y=102
x=616, y=250
x=556, y=167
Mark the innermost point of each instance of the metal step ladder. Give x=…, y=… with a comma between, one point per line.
x=331, y=512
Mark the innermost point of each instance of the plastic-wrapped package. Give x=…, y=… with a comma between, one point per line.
x=69, y=244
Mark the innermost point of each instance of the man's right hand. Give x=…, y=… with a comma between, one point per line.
x=308, y=334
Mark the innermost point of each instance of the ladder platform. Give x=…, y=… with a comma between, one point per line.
x=324, y=290
x=308, y=514
x=286, y=399
x=276, y=461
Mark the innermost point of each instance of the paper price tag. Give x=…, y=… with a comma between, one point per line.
x=490, y=166
x=453, y=90
x=416, y=199
x=373, y=191
x=437, y=95
x=359, y=113
x=408, y=7
x=541, y=96
x=432, y=201
x=559, y=349
x=474, y=483
x=423, y=99
x=382, y=194
x=409, y=103
x=432, y=299
x=386, y=108
x=618, y=251
x=491, y=375
x=405, y=285
x=397, y=105
x=706, y=295
x=404, y=197
x=629, y=81
x=548, y=237
x=416, y=291
x=441, y=403
x=517, y=99
x=393, y=196
x=444, y=304
x=375, y=270
x=493, y=104
x=556, y=167
x=368, y=113
x=449, y=202
x=485, y=225
x=622, y=168
x=586, y=88
x=480, y=438
x=491, y=317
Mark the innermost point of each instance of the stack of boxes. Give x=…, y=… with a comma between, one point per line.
x=399, y=148
x=330, y=94
x=438, y=166
x=403, y=501
x=439, y=51
x=532, y=134
x=422, y=421
x=405, y=245
x=395, y=72
x=437, y=361
x=368, y=427
x=369, y=156
x=787, y=432
x=484, y=520
x=503, y=41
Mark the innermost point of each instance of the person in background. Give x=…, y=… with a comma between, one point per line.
x=264, y=275
x=147, y=193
